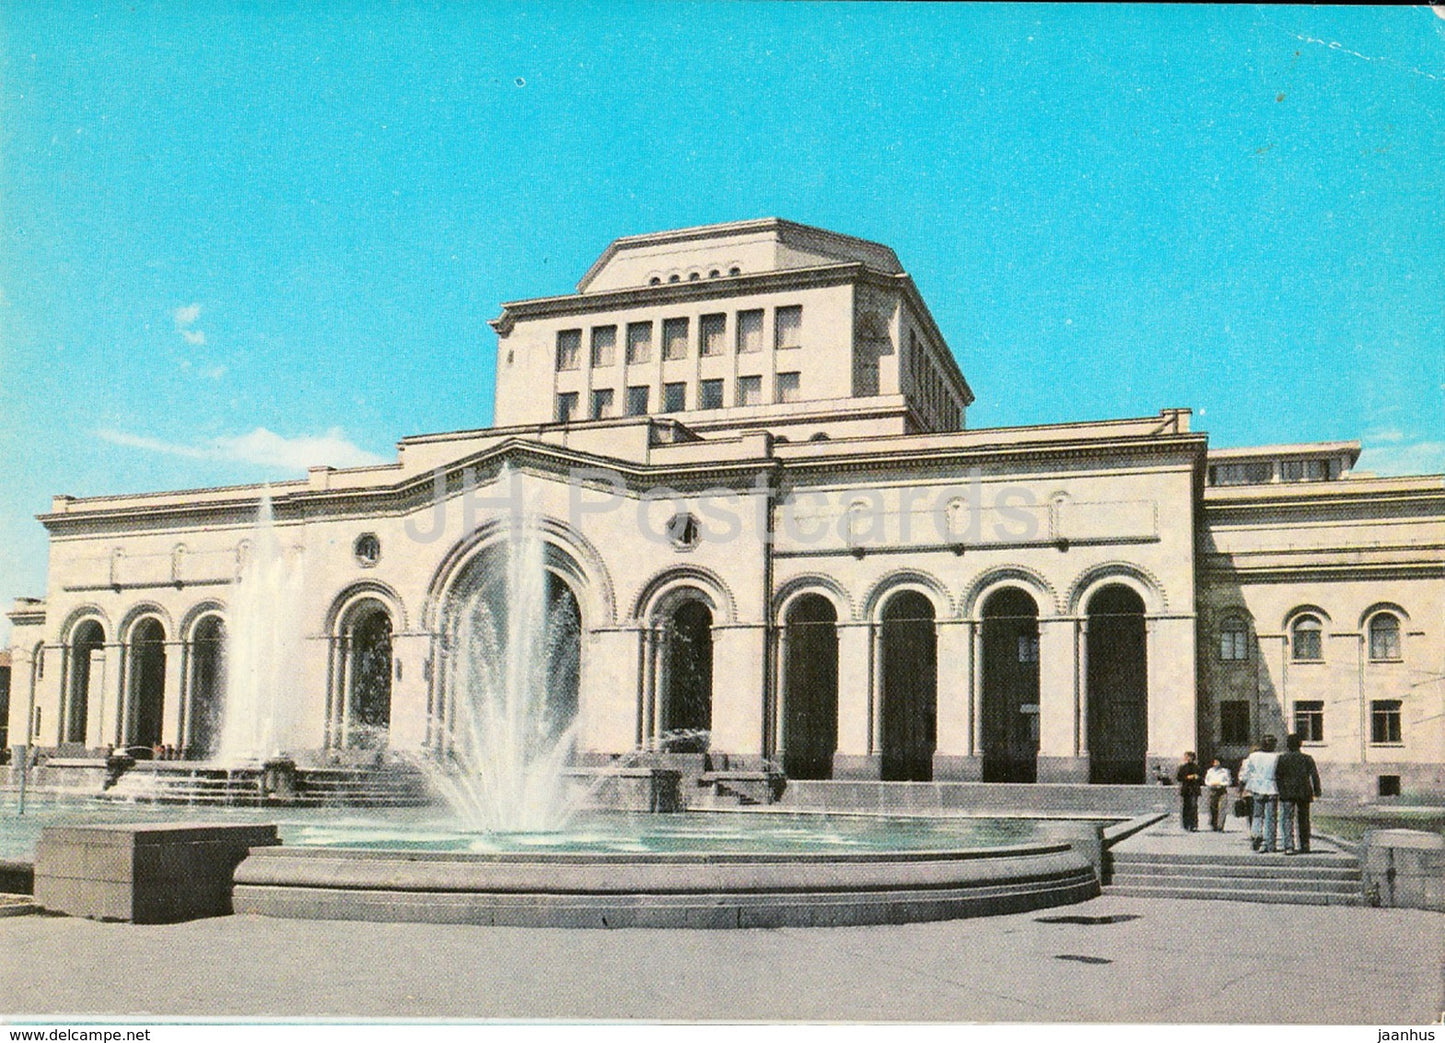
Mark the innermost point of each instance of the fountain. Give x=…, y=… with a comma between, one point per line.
x=510, y=725
x=261, y=647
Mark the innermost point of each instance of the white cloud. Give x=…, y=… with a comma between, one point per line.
x=261, y=447
x=1401, y=457
x=185, y=318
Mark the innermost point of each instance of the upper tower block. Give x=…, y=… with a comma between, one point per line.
x=719, y=251
x=755, y=324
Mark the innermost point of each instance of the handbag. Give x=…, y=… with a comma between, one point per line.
x=1244, y=806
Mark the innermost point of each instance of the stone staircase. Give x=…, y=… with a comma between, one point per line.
x=1325, y=877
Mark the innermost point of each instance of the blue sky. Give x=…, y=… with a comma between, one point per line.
x=238, y=238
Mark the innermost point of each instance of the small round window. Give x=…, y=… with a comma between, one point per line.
x=683, y=530
x=367, y=550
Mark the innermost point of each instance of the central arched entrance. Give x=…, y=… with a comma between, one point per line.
x=809, y=733
x=908, y=674
x=685, y=708
x=1118, y=686
x=1010, y=717
x=512, y=647
x=146, y=683
x=207, y=686
x=366, y=720
x=86, y=651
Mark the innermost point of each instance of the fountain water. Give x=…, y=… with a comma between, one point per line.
x=262, y=653
x=509, y=724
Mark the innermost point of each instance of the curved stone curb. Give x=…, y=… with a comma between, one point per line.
x=528, y=890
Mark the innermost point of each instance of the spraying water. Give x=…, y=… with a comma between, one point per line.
x=509, y=724
x=262, y=647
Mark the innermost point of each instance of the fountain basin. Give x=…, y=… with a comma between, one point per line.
x=662, y=890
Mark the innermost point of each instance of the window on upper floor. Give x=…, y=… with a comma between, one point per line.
x=604, y=345
x=1234, y=722
x=601, y=403
x=1305, y=470
x=569, y=348
x=566, y=407
x=637, y=399
x=1385, y=721
x=750, y=331
x=711, y=330
x=788, y=386
x=1309, y=720
x=1384, y=637
x=711, y=396
x=1233, y=640
x=674, y=338
x=639, y=342
x=674, y=397
x=788, y=327
x=1028, y=648
x=750, y=391
x=1255, y=472
x=1306, y=640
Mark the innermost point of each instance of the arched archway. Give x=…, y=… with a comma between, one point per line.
x=1010, y=698
x=1118, y=685
x=85, y=654
x=808, y=736
x=207, y=686
x=685, y=702
x=908, y=653
x=146, y=682
x=366, y=681
x=511, y=650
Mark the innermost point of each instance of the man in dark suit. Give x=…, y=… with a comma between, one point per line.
x=1299, y=783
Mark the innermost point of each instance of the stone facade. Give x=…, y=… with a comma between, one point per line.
x=745, y=447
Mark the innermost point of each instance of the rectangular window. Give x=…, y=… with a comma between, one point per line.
x=1309, y=720
x=637, y=400
x=639, y=342
x=1028, y=648
x=1385, y=721
x=569, y=348
x=712, y=395
x=750, y=331
x=1233, y=642
x=1234, y=722
x=711, y=330
x=674, y=338
x=674, y=397
x=566, y=407
x=604, y=345
x=788, y=327
x=601, y=403
x=750, y=391
x=787, y=387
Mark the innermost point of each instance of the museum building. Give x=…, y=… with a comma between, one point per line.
x=775, y=537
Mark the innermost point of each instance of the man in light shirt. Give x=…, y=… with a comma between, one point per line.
x=1217, y=778
x=1256, y=775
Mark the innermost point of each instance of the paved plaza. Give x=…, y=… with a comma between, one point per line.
x=1159, y=961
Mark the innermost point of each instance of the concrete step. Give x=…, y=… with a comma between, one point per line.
x=1245, y=857
x=1289, y=869
x=1238, y=895
x=1296, y=884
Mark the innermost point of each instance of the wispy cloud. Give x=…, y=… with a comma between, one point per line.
x=1388, y=452
x=185, y=318
x=261, y=447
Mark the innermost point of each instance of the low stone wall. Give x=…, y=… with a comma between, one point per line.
x=1403, y=868
x=1038, y=799
x=703, y=890
x=143, y=872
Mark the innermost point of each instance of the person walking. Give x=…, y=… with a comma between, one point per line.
x=1217, y=779
x=1298, y=781
x=1188, y=776
x=1257, y=777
